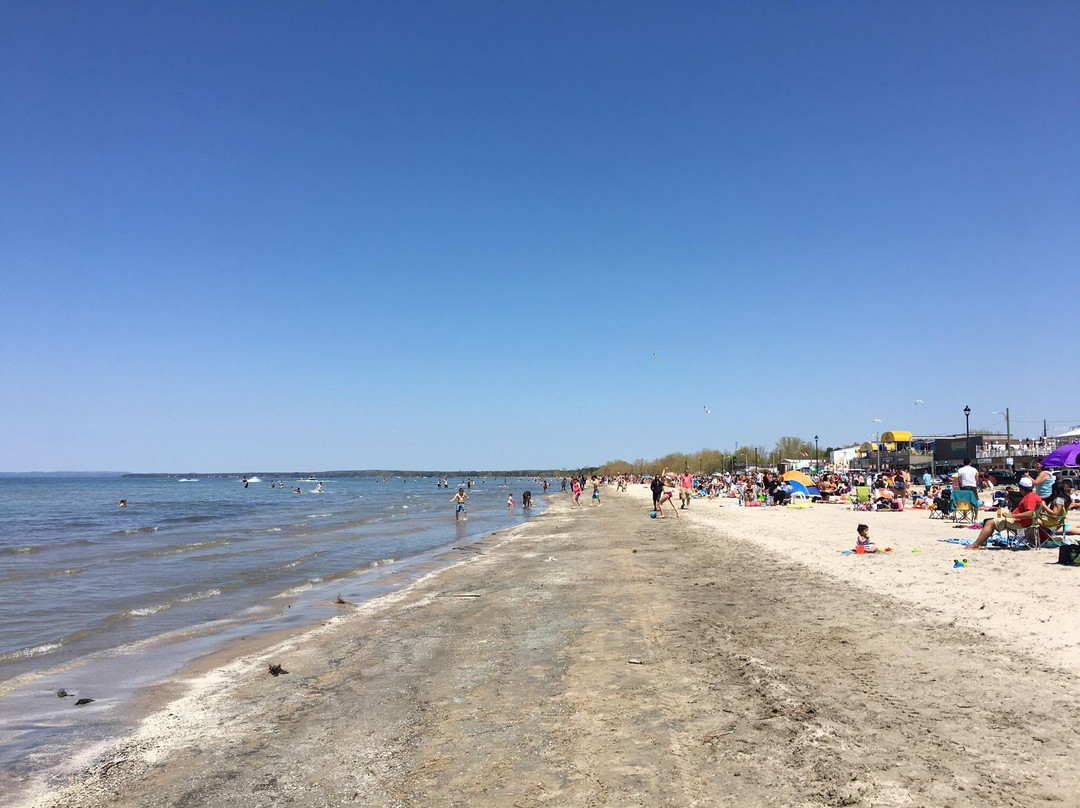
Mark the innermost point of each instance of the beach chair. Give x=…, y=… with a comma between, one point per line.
x=942, y=508
x=862, y=498
x=965, y=507
x=1048, y=527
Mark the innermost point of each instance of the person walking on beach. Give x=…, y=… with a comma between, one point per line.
x=460, y=498
x=686, y=488
x=595, y=490
x=576, y=501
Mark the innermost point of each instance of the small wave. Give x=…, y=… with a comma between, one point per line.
x=37, y=650
x=304, y=587
x=272, y=530
x=318, y=515
x=198, y=517
x=146, y=611
x=254, y=479
x=48, y=574
x=209, y=593
x=129, y=531
x=382, y=562
x=191, y=547
x=32, y=548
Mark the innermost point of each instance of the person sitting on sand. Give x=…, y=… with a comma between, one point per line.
x=1019, y=519
x=884, y=498
x=863, y=540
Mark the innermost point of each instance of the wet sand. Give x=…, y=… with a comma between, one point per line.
x=599, y=657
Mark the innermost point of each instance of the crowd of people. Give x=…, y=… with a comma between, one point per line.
x=1042, y=496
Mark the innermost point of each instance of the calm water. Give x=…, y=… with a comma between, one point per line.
x=79, y=574
x=101, y=600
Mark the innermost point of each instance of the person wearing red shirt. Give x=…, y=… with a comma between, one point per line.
x=1019, y=519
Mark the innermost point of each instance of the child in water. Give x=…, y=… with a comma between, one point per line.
x=510, y=503
x=863, y=540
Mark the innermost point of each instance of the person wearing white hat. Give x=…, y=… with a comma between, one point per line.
x=1019, y=519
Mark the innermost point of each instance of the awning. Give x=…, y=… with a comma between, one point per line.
x=896, y=437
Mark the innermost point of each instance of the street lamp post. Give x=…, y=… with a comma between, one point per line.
x=967, y=430
x=815, y=453
x=1008, y=433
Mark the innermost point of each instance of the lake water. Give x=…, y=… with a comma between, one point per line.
x=86, y=583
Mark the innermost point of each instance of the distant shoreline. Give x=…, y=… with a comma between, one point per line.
x=286, y=475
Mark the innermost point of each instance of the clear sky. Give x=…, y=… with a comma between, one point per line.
x=278, y=235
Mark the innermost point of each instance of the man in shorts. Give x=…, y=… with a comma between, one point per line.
x=459, y=498
x=1019, y=519
x=686, y=488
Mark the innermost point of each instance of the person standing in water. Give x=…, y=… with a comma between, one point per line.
x=459, y=498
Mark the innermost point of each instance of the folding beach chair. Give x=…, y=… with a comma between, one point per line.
x=1048, y=527
x=862, y=498
x=942, y=508
x=965, y=507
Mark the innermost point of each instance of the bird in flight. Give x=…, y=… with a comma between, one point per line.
x=919, y=401
x=707, y=410
x=654, y=356
x=877, y=420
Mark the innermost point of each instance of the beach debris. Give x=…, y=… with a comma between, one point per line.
x=81, y=702
x=634, y=550
x=958, y=564
x=61, y=693
x=553, y=558
x=635, y=662
x=712, y=736
x=340, y=601
x=277, y=670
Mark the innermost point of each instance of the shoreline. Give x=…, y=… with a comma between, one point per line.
x=600, y=657
x=166, y=665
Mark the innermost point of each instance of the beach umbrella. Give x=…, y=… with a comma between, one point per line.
x=1063, y=455
x=800, y=482
x=797, y=477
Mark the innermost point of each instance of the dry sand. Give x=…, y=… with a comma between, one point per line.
x=599, y=657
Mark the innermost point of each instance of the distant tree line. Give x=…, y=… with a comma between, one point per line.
x=709, y=461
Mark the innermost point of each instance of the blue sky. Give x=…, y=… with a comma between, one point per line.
x=275, y=235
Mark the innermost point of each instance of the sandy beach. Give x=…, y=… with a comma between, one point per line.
x=599, y=657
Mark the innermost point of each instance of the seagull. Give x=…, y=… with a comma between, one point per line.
x=919, y=401
x=707, y=410
x=654, y=356
x=877, y=420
